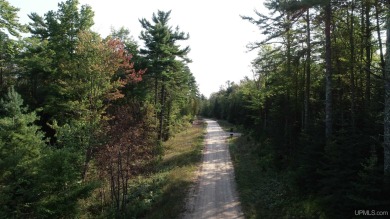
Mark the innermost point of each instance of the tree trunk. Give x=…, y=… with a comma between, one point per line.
x=287, y=109
x=378, y=30
x=361, y=54
x=328, y=73
x=368, y=56
x=112, y=180
x=162, y=111
x=386, y=122
x=88, y=157
x=168, y=121
x=308, y=64
x=155, y=90
x=127, y=178
x=1, y=77
x=1, y=63
x=352, y=66
x=118, y=183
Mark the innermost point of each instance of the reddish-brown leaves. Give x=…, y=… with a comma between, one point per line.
x=128, y=151
x=123, y=61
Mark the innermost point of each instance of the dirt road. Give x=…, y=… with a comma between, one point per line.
x=215, y=195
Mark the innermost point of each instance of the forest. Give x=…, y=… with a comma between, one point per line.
x=317, y=110
x=84, y=116
x=81, y=115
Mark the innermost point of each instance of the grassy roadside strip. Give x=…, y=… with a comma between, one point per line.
x=263, y=191
x=162, y=194
x=246, y=173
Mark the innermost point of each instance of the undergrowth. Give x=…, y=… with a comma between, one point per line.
x=264, y=191
x=162, y=194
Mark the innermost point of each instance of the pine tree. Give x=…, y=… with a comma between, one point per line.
x=9, y=20
x=55, y=36
x=9, y=26
x=161, y=51
x=21, y=145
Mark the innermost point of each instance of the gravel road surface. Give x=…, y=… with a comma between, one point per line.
x=214, y=195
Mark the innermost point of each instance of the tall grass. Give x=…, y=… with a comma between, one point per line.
x=163, y=193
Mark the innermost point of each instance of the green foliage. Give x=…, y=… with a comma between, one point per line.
x=182, y=154
x=96, y=63
x=61, y=186
x=161, y=192
x=369, y=177
x=37, y=62
x=78, y=137
x=9, y=19
x=49, y=54
x=234, y=104
x=268, y=194
x=36, y=180
x=144, y=193
x=9, y=47
x=61, y=27
x=21, y=145
x=174, y=91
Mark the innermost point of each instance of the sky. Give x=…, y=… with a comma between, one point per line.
x=218, y=35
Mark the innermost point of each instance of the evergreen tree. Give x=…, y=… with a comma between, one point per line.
x=9, y=25
x=161, y=51
x=21, y=145
x=55, y=37
x=9, y=20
